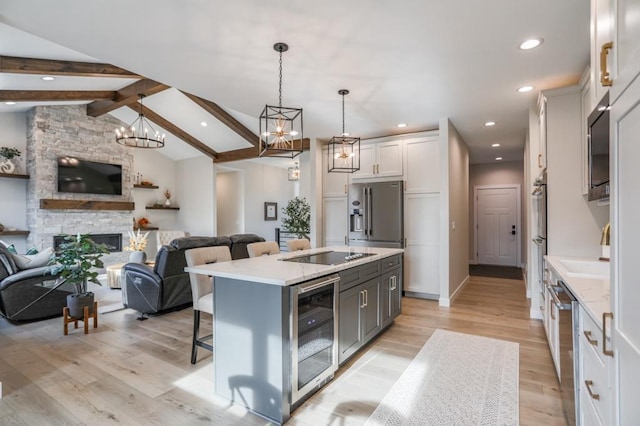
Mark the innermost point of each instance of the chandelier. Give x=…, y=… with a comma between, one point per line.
x=140, y=133
x=293, y=173
x=344, y=151
x=280, y=127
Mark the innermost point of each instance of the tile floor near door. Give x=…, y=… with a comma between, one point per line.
x=131, y=372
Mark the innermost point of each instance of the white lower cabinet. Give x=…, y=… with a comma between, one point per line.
x=595, y=379
x=334, y=213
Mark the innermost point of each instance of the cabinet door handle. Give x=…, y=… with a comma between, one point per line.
x=539, y=161
x=392, y=283
x=589, y=383
x=345, y=188
x=366, y=298
x=553, y=317
x=373, y=167
x=606, y=351
x=587, y=334
x=362, y=305
x=605, y=77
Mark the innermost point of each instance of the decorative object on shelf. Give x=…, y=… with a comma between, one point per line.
x=270, y=211
x=76, y=262
x=146, y=183
x=143, y=222
x=8, y=153
x=167, y=196
x=605, y=242
x=296, y=217
x=140, y=134
x=344, y=150
x=280, y=127
x=293, y=173
x=137, y=244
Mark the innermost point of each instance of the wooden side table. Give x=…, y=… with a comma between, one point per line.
x=67, y=319
x=113, y=275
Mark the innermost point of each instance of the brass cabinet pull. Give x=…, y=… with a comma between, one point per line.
x=589, y=383
x=553, y=317
x=374, y=169
x=345, y=188
x=587, y=334
x=606, y=351
x=539, y=161
x=605, y=77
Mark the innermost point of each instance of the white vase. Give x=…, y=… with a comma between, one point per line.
x=7, y=166
x=167, y=203
x=138, y=257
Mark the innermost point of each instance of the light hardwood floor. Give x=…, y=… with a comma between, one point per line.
x=133, y=373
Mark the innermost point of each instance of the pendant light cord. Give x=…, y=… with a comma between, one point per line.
x=343, y=116
x=280, y=84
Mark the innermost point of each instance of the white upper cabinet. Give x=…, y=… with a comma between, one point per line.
x=334, y=184
x=381, y=159
x=422, y=165
x=542, y=123
x=626, y=36
x=601, y=54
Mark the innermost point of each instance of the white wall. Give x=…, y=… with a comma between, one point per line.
x=13, y=192
x=498, y=173
x=263, y=183
x=196, y=195
x=573, y=224
x=457, y=222
x=230, y=202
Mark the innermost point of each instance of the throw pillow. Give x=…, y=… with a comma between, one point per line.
x=32, y=250
x=29, y=261
x=12, y=249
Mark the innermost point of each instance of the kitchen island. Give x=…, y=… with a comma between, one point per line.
x=282, y=326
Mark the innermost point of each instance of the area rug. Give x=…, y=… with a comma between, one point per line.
x=456, y=379
x=496, y=271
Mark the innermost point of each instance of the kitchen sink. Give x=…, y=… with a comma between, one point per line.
x=586, y=268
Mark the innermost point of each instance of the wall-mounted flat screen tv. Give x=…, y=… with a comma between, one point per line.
x=88, y=177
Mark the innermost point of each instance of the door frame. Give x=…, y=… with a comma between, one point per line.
x=515, y=186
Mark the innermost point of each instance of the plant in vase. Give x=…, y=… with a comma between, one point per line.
x=137, y=244
x=76, y=262
x=8, y=153
x=297, y=217
x=167, y=195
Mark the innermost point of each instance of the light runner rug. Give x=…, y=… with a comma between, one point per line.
x=456, y=379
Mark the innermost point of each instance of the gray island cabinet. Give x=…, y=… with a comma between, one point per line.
x=281, y=328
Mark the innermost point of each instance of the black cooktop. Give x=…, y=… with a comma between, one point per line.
x=329, y=257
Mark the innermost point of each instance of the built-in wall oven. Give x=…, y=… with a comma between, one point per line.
x=540, y=208
x=314, y=332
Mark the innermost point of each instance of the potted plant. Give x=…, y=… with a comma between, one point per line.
x=8, y=153
x=137, y=244
x=297, y=217
x=76, y=262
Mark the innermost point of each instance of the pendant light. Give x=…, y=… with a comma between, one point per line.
x=140, y=133
x=280, y=127
x=344, y=151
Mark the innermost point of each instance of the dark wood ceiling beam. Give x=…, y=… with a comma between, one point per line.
x=54, y=95
x=226, y=118
x=125, y=97
x=175, y=130
x=248, y=153
x=16, y=65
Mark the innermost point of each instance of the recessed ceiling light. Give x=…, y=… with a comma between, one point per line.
x=495, y=145
x=531, y=43
x=10, y=103
x=401, y=125
x=203, y=123
x=490, y=123
x=525, y=89
x=498, y=158
x=48, y=78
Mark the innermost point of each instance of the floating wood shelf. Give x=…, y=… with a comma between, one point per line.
x=16, y=232
x=53, y=204
x=146, y=228
x=146, y=186
x=14, y=175
x=161, y=207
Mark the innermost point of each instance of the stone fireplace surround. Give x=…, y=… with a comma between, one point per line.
x=54, y=131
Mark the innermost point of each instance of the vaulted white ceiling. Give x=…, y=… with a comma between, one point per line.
x=412, y=61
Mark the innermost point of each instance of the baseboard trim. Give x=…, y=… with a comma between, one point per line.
x=416, y=295
x=447, y=301
x=535, y=313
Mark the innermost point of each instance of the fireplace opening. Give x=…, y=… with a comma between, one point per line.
x=112, y=241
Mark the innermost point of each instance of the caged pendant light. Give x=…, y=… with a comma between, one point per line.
x=344, y=151
x=140, y=133
x=280, y=127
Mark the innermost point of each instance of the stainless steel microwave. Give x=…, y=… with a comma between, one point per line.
x=598, y=140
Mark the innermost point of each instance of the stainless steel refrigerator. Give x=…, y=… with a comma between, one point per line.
x=376, y=212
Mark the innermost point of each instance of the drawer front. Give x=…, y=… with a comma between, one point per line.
x=359, y=274
x=389, y=263
x=588, y=416
x=591, y=335
x=595, y=372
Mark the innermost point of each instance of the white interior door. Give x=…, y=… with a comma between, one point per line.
x=496, y=226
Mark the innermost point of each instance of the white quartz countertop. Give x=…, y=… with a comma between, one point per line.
x=592, y=292
x=272, y=270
